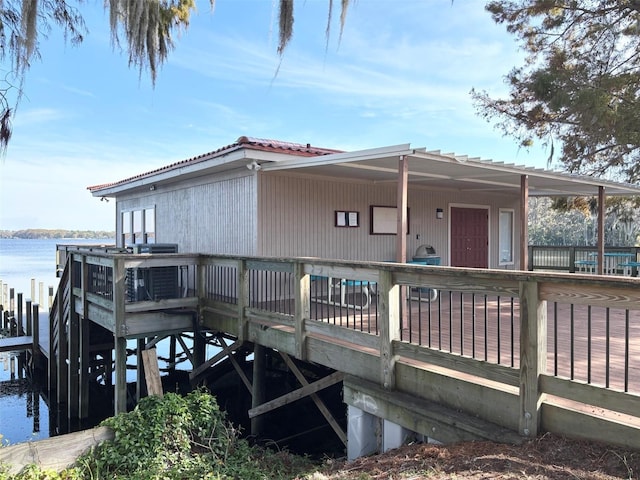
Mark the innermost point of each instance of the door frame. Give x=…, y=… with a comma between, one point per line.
x=475, y=207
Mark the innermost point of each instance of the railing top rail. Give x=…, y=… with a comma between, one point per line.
x=591, y=248
x=444, y=276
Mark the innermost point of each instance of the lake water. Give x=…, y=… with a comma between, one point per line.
x=24, y=415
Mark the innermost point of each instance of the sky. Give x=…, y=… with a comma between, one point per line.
x=401, y=72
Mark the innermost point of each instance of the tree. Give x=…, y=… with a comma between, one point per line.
x=143, y=28
x=574, y=221
x=579, y=86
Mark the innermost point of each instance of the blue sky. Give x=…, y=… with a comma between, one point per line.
x=401, y=73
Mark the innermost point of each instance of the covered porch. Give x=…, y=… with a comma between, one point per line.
x=436, y=171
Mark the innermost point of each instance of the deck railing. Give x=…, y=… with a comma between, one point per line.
x=566, y=336
x=573, y=259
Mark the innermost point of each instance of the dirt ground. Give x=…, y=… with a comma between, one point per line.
x=548, y=457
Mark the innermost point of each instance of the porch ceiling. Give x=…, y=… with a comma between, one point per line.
x=437, y=171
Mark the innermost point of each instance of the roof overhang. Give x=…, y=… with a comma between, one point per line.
x=431, y=170
x=437, y=171
x=206, y=165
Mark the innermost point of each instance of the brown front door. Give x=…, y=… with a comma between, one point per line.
x=469, y=237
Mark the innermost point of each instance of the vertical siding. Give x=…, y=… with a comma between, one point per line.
x=277, y=214
x=205, y=217
x=297, y=218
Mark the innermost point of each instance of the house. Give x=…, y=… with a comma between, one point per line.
x=273, y=198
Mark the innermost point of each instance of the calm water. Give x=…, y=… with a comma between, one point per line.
x=24, y=415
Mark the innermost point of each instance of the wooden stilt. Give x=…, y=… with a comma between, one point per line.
x=259, y=393
x=120, y=394
x=73, y=391
x=140, y=368
x=199, y=347
x=61, y=364
x=85, y=341
x=172, y=354
x=19, y=323
x=120, y=341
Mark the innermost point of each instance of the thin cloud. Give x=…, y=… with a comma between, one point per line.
x=31, y=117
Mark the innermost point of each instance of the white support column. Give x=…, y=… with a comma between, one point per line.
x=394, y=435
x=363, y=433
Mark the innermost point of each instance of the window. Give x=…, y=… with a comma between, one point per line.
x=138, y=226
x=150, y=225
x=506, y=237
x=138, y=232
x=127, y=229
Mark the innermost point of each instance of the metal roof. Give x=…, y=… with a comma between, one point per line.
x=429, y=169
x=445, y=171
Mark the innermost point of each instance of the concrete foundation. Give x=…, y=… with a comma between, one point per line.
x=394, y=435
x=368, y=434
x=363, y=431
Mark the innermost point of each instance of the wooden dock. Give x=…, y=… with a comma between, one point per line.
x=16, y=344
x=531, y=345
x=20, y=343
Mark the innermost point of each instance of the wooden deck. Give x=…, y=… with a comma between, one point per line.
x=13, y=344
x=586, y=344
x=512, y=339
x=583, y=343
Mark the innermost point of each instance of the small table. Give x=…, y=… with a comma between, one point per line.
x=342, y=284
x=612, y=260
x=630, y=268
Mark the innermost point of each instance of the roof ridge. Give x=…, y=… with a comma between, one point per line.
x=266, y=145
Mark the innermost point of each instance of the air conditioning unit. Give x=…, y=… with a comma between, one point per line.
x=154, y=248
x=153, y=283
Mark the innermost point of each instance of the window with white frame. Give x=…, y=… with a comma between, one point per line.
x=138, y=226
x=505, y=244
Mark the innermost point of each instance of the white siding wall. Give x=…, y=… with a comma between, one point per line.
x=277, y=214
x=296, y=218
x=204, y=216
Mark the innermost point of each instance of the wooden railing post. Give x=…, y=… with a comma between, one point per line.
x=533, y=356
x=243, y=300
x=572, y=259
x=389, y=316
x=36, y=334
x=73, y=332
x=19, y=324
x=119, y=293
x=12, y=311
x=531, y=254
x=84, y=342
x=28, y=320
x=302, y=284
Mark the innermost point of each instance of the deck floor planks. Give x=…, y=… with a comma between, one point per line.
x=449, y=325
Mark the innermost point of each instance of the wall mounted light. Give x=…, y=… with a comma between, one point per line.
x=152, y=188
x=439, y=213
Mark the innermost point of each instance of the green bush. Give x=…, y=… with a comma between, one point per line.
x=176, y=437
